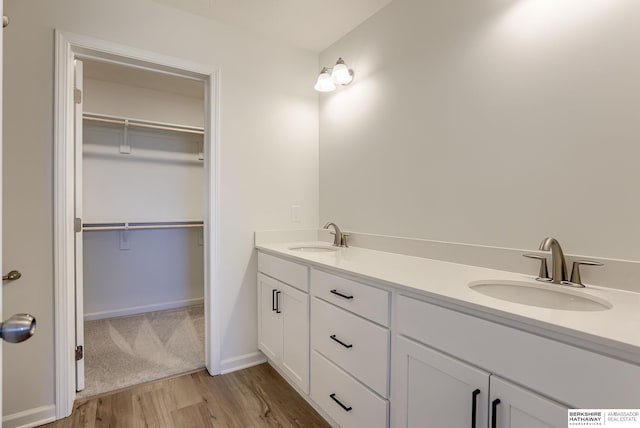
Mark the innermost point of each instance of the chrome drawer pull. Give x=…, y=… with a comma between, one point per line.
x=333, y=397
x=333, y=336
x=344, y=296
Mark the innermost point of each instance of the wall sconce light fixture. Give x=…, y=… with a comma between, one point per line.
x=339, y=74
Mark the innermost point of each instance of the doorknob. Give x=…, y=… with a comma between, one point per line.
x=18, y=328
x=14, y=274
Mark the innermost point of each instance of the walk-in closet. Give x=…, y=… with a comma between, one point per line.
x=139, y=175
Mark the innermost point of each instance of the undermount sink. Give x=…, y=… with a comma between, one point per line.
x=314, y=248
x=542, y=295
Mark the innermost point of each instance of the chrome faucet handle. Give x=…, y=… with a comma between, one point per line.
x=576, y=279
x=344, y=239
x=543, y=274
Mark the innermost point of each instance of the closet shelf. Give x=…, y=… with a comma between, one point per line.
x=103, y=118
x=91, y=227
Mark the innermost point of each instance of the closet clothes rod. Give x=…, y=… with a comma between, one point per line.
x=90, y=227
x=142, y=123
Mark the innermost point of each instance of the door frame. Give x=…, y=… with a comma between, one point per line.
x=69, y=46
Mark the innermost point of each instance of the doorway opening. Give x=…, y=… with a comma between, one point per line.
x=135, y=217
x=139, y=201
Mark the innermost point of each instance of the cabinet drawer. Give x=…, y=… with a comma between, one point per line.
x=283, y=270
x=364, y=300
x=364, y=351
x=568, y=374
x=365, y=409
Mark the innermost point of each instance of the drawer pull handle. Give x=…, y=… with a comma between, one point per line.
x=278, y=302
x=273, y=300
x=473, y=407
x=333, y=397
x=333, y=336
x=494, y=412
x=344, y=296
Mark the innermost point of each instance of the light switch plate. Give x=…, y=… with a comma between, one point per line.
x=295, y=213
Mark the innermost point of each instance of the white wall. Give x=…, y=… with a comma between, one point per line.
x=268, y=151
x=106, y=97
x=160, y=180
x=489, y=122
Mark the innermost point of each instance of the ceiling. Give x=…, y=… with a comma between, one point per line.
x=311, y=25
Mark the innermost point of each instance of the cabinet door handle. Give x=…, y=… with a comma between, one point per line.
x=273, y=300
x=344, y=296
x=473, y=407
x=278, y=301
x=494, y=412
x=333, y=336
x=333, y=397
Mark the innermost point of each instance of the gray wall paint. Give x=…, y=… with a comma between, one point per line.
x=161, y=266
x=268, y=152
x=489, y=122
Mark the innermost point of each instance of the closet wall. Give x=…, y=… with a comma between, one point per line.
x=160, y=180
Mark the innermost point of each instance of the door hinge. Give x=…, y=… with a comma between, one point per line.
x=77, y=225
x=79, y=352
x=77, y=96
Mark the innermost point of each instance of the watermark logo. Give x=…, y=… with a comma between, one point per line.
x=621, y=418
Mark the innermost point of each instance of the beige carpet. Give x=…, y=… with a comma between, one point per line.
x=125, y=351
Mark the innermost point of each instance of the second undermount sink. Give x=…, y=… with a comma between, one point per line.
x=315, y=248
x=542, y=295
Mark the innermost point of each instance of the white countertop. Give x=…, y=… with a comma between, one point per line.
x=614, y=332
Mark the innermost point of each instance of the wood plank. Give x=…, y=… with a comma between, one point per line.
x=253, y=397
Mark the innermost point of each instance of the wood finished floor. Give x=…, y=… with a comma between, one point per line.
x=254, y=397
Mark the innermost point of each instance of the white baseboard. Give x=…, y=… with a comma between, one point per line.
x=242, y=362
x=30, y=418
x=142, y=309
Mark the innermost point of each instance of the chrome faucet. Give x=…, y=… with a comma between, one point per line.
x=340, y=239
x=558, y=262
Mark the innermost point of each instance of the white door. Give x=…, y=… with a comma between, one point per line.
x=18, y=327
x=78, y=215
x=1, y=53
x=431, y=389
x=515, y=407
x=269, y=320
x=294, y=305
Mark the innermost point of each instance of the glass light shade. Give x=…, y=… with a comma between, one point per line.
x=341, y=73
x=325, y=82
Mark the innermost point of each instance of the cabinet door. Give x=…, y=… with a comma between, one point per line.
x=430, y=389
x=269, y=320
x=294, y=306
x=520, y=408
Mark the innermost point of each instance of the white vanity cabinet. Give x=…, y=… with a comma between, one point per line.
x=374, y=353
x=535, y=379
x=433, y=389
x=514, y=407
x=350, y=350
x=283, y=318
x=436, y=390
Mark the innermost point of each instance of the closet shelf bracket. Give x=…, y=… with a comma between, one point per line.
x=125, y=148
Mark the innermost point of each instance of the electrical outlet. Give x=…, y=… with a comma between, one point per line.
x=295, y=213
